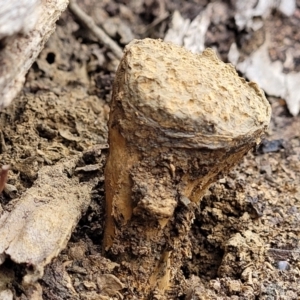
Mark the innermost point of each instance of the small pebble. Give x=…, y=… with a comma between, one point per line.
x=271, y=146
x=283, y=265
x=185, y=201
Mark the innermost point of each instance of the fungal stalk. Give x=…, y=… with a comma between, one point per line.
x=178, y=122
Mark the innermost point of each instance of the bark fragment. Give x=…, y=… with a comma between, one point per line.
x=39, y=225
x=178, y=121
x=35, y=20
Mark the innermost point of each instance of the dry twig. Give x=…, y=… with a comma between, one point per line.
x=155, y=22
x=89, y=23
x=36, y=20
x=3, y=176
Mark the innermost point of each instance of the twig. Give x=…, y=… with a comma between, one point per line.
x=3, y=176
x=89, y=23
x=156, y=21
x=284, y=250
x=283, y=254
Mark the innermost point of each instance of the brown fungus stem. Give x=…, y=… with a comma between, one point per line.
x=178, y=121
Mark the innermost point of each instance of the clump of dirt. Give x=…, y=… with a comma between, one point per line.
x=41, y=129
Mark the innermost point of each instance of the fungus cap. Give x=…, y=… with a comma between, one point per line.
x=197, y=94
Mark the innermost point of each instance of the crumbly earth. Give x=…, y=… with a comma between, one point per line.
x=245, y=240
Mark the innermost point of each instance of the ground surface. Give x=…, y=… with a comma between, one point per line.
x=245, y=239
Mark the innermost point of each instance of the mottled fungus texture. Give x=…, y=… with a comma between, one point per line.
x=178, y=121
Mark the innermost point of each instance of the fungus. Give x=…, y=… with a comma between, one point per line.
x=178, y=122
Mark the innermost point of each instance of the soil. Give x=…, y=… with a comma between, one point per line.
x=245, y=240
